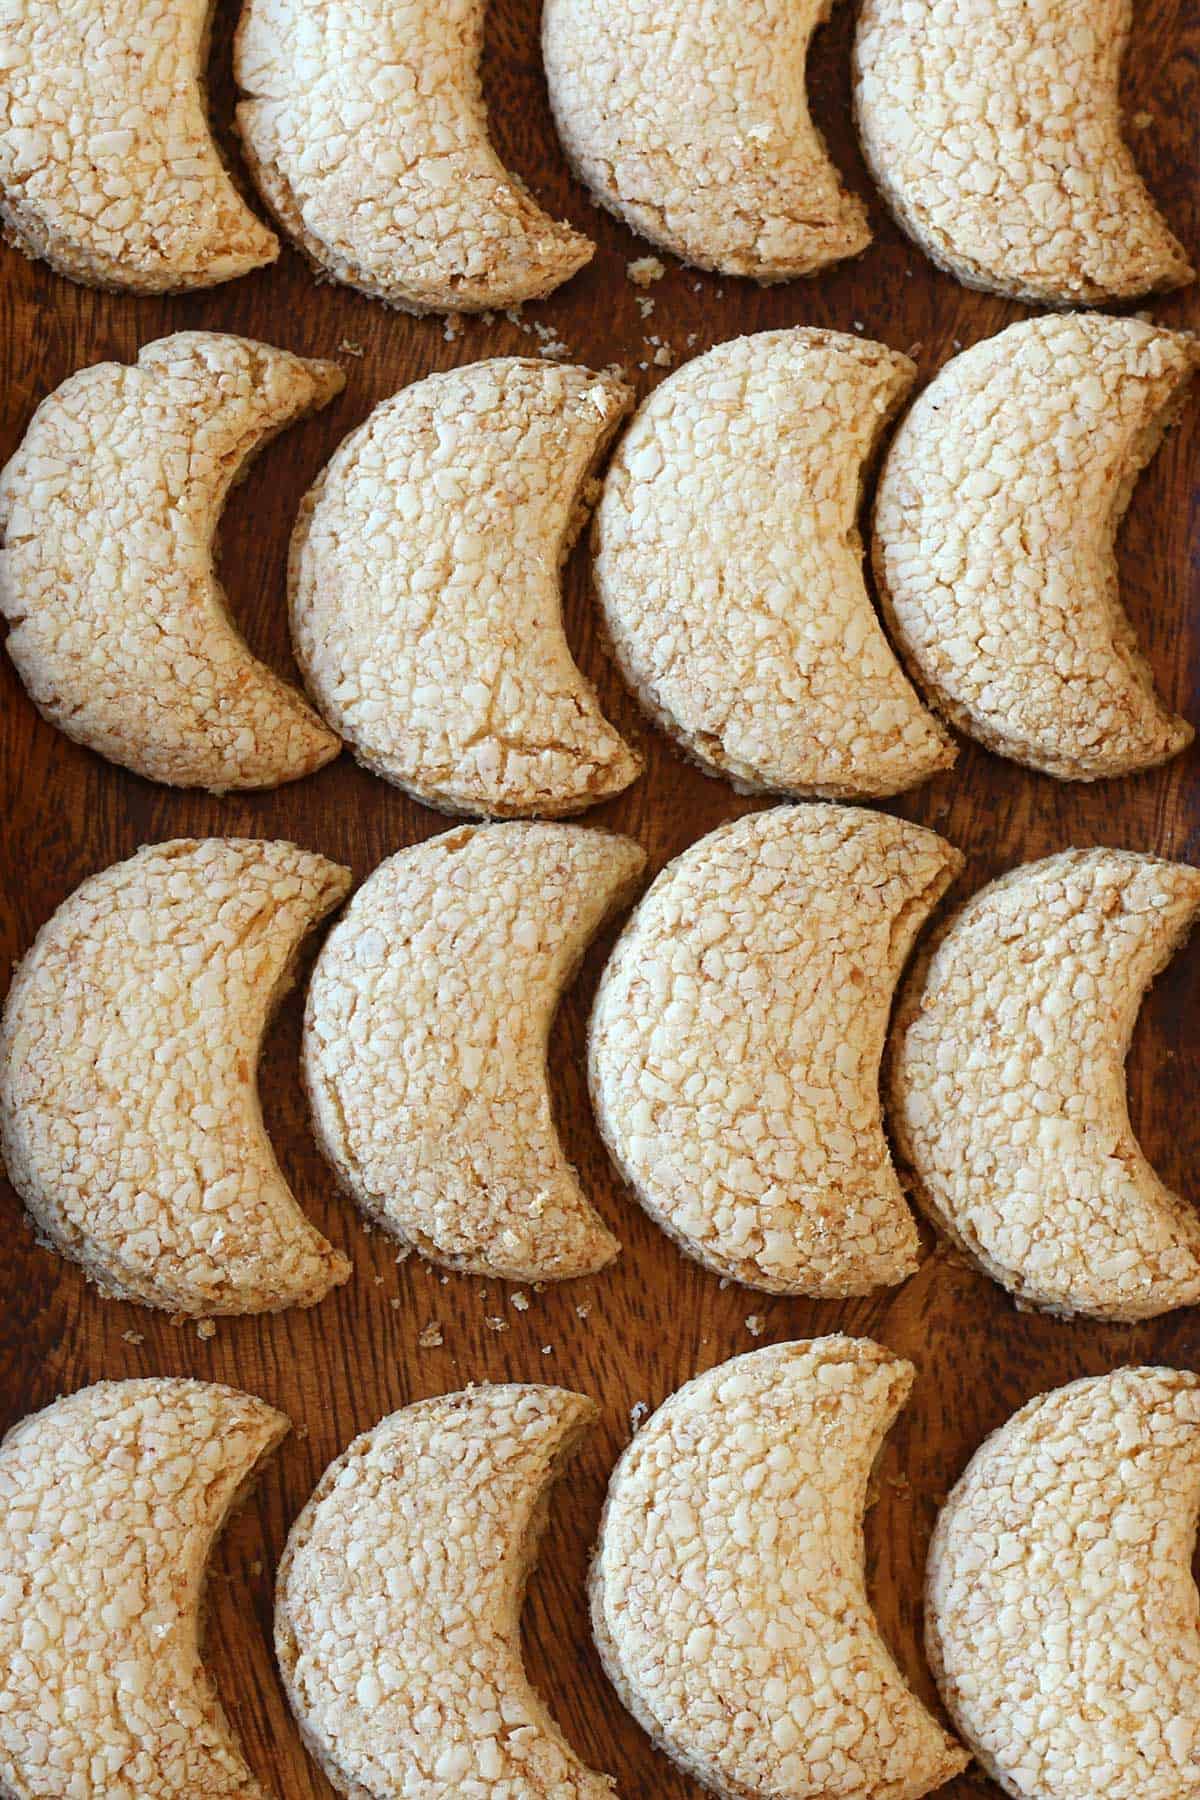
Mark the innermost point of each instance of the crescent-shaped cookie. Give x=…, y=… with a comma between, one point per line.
x=736, y=1037
x=1061, y=1618
x=995, y=523
x=729, y=1600
x=425, y=1043
x=1007, y=1084
x=994, y=134
x=729, y=567
x=367, y=133
x=108, y=510
x=426, y=611
x=110, y=1501
x=691, y=123
x=129, y=1114
x=397, y=1621
x=108, y=169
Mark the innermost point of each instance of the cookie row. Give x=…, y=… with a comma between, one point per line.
x=734, y=1062
x=423, y=572
x=995, y=139
x=728, y=1591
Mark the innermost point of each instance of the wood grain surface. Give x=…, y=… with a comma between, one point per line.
x=635, y=1333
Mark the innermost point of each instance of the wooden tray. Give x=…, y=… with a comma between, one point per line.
x=635, y=1333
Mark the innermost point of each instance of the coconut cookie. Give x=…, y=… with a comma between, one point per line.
x=110, y=1501
x=1061, y=1618
x=397, y=1622
x=426, y=610
x=994, y=133
x=995, y=523
x=729, y=1600
x=129, y=1116
x=691, y=123
x=735, y=1045
x=1007, y=1084
x=108, y=169
x=425, y=1043
x=109, y=509
x=367, y=134
x=729, y=567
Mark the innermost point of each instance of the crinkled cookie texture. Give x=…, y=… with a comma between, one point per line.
x=426, y=610
x=1061, y=1618
x=1007, y=1084
x=994, y=133
x=729, y=1602
x=110, y=1501
x=109, y=509
x=397, y=1621
x=425, y=1043
x=995, y=522
x=736, y=1038
x=689, y=119
x=129, y=1113
x=108, y=169
x=729, y=567
x=367, y=134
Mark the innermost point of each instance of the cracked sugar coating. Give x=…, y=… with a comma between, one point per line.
x=729, y=1601
x=735, y=1044
x=110, y=1501
x=1007, y=1084
x=108, y=169
x=109, y=509
x=1061, y=1618
x=397, y=1621
x=367, y=134
x=129, y=1113
x=995, y=522
x=729, y=567
x=994, y=133
x=689, y=119
x=426, y=611
x=425, y=1043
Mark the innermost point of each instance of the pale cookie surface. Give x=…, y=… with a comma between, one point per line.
x=108, y=510
x=729, y=567
x=1061, y=1618
x=397, y=1622
x=1007, y=1084
x=129, y=1113
x=994, y=133
x=426, y=610
x=736, y=1037
x=689, y=119
x=729, y=1601
x=108, y=169
x=367, y=133
x=109, y=1504
x=425, y=1043
x=995, y=523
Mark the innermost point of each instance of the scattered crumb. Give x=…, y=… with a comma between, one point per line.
x=495, y=1323
x=378, y=1280
x=300, y=1431
x=1140, y=120
x=691, y=338
x=394, y=1303
x=450, y=330
x=404, y=1252
x=756, y=1324
x=645, y=305
x=256, y=1568
x=900, y=1484
x=133, y=1337
x=206, y=1328
x=637, y=1413
x=349, y=347
x=858, y=325
x=583, y=1309
x=431, y=1336
x=521, y=1301
x=547, y=1349
x=645, y=269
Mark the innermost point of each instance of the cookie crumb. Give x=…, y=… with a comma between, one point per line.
x=349, y=347
x=645, y=269
x=521, y=1301
x=206, y=1328
x=756, y=1324
x=133, y=1337
x=645, y=305
x=495, y=1323
x=637, y=1413
x=431, y=1336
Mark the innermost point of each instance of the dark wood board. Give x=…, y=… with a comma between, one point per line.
x=653, y=1319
